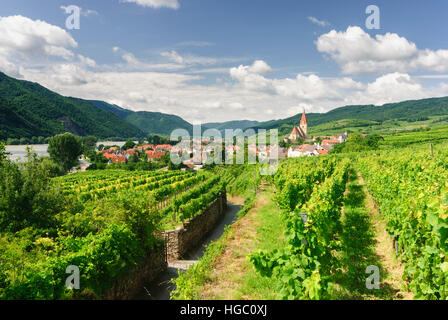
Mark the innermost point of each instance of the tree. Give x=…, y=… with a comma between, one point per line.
x=28, y=198
x=154, y=139
x=65, y=149
x=89, y=143
x=128, y=145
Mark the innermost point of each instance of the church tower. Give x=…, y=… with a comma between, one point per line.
x=304, y=124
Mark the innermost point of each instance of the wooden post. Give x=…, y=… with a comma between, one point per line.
x=432, y=151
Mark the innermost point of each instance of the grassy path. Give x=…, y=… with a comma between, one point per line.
x=364, y=243
x=234, y=276
x=393, y=277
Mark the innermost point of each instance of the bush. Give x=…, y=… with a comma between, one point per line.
x=27, y=197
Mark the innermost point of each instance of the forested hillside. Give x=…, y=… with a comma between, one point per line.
x=28, y=109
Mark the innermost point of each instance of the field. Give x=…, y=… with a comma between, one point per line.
x=340, y=216
x=314, y=230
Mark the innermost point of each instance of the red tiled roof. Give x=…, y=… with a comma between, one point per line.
x=108, y=155
x=154, y=155
x=114, y=158
x=130, y=152
x=322, y=151
x=332, y=141
x=295, y=131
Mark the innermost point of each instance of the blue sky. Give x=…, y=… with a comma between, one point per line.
x=216, y=60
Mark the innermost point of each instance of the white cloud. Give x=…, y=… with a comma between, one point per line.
x=173, y=56
x=320, y=23
x=392, y=87
x=23, y=41
x=173, y=4
x=357, y=52
x=44, y=53
x=22, y=35
x=87, y=61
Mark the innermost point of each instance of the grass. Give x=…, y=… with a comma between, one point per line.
x=231, y=275
x=269, y=236
x=189, y=284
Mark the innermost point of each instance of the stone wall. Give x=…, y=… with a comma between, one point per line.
x=146, y=272
x=178, y=243
x=184, y=238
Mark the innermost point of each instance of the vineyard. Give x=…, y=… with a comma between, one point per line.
x=312, y=201
x=410, y=189
x=110, y=221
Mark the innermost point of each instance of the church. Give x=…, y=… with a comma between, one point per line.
x=298, y=132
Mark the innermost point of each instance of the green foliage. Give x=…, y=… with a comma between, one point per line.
x=411, y=191
x=65, y=150
x=357, y=143
x=27, y=197
x=89, y=143
x=128, y=145
x=305, y=265
x=107, y=223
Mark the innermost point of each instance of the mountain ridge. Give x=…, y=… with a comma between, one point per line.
x=28, y=109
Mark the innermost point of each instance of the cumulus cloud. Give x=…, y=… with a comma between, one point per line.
x=392, y=87
x=306, y=87
x=23, y=40
x=318, y=22
x=172, y=4
x=357, y=52
x=22, y=35
x=46, y=54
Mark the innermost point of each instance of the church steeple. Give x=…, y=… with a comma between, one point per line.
x=304, y=124
x=303, y=120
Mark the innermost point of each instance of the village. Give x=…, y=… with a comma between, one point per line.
x=200, y=150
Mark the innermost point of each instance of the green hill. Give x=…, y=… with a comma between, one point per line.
x=148, y=122
x=28, y=109
x=389, y=115
x=237, y=124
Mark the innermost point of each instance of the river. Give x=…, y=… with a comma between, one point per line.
x=17, y=153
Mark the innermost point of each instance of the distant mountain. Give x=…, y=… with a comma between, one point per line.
x=28, y=109
x=412, y=110
x=237, y=124
x=148, y=122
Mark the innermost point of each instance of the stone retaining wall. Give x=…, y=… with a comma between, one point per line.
x=146, y=272
x=178, y=242
x=183, y=239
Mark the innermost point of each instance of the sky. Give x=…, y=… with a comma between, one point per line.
x=222, y=60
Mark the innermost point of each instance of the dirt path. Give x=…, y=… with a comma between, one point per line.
x=232, y=265
x=162, y=287
x=384, y=249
